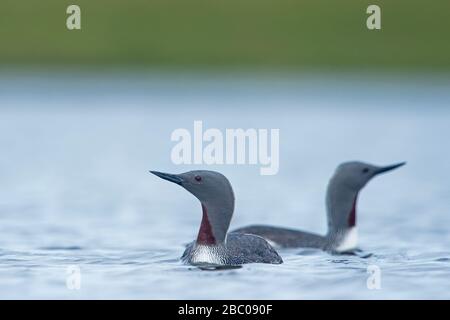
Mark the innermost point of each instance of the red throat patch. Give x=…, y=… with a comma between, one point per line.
x=205, y=234
x=352, y=216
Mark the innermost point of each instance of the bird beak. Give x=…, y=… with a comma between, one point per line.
x=389, y=168
x=169, y=177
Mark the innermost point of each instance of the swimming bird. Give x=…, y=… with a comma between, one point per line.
x=342, y=194
x=213, y=245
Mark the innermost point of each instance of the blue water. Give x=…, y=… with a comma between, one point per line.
x=75, y=188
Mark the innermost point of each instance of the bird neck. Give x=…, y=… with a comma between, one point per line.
x=341, y=204
x=216, y=219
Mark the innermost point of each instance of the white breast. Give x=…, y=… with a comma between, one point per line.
x=208, y=254
x=349, y=241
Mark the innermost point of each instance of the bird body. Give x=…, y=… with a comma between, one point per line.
x=238, y=249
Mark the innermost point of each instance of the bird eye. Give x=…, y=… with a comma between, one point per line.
x=365, y=170
x=198, y=178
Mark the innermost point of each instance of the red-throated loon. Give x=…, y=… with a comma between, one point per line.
x=343, y=188
x=213, y=245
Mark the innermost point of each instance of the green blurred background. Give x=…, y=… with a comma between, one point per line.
x=276, y=34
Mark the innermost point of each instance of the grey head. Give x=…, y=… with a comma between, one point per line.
x=217, y=199
x=343, y=188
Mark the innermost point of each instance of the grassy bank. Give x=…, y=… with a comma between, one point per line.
x=227, y=33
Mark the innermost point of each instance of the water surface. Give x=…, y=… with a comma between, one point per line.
x=75, y=188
